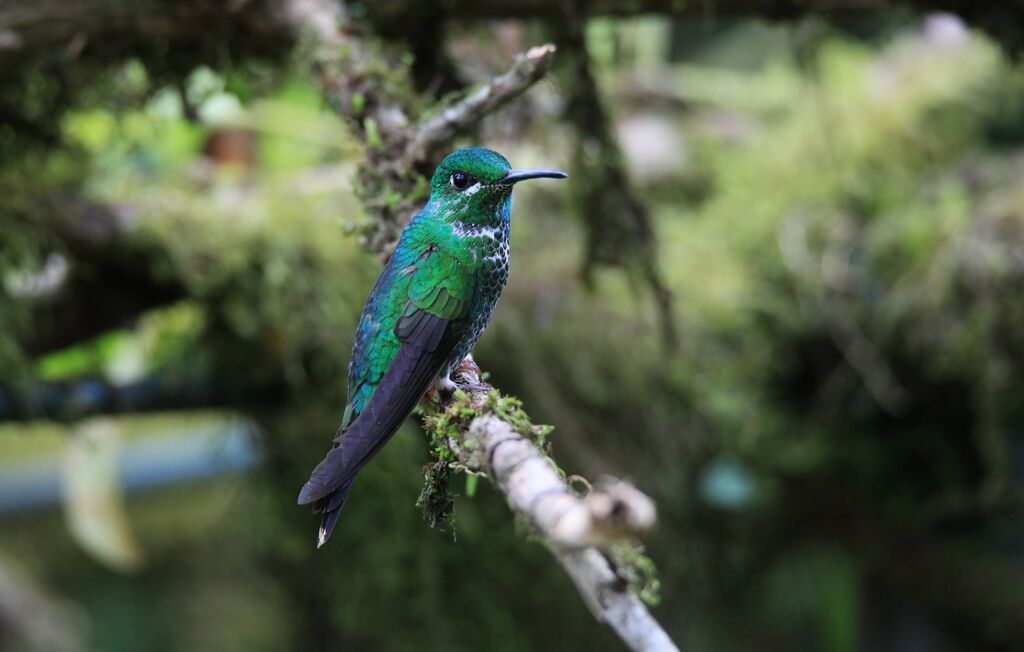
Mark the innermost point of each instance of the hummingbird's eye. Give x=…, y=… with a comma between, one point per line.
x=461, y=180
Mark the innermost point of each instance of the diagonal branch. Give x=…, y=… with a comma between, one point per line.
x=490, y=435
x=439, y=131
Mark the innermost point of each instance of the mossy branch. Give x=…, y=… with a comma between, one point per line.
x=482, y=432
x=592, y=536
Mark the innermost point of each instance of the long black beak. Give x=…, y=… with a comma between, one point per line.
x=515, y=176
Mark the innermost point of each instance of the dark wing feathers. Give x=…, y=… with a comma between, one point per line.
x=427, y=341
x=428, y=331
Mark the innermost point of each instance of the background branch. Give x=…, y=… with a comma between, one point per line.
x=108, y=275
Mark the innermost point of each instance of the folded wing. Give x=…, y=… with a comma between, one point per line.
x=427, y=342
x=428, y=330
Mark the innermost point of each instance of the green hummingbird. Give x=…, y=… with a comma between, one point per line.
x=426, y=311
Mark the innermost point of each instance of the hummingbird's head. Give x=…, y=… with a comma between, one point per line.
x=474, y=186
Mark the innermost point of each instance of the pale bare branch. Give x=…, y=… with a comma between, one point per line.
x=439, y=130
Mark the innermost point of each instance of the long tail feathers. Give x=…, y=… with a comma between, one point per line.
x=331, y=506
x=427, y=341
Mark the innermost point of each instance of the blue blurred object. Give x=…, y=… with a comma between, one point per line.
x=170, y=459
x=727, y=483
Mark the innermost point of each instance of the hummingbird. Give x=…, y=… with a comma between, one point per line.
x=426, y=311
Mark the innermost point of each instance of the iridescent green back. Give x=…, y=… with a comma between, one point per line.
x=452, y=260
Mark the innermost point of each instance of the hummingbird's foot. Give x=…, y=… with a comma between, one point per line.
x=468, y=376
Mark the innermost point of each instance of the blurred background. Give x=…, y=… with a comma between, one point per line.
x=782, y=291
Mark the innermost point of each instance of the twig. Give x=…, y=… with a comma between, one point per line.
x=528, y=68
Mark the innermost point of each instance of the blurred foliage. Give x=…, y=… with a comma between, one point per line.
x=832, y=447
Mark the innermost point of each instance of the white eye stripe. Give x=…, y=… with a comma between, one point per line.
x=473, y=189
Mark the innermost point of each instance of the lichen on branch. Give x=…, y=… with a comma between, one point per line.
x=482, y=432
